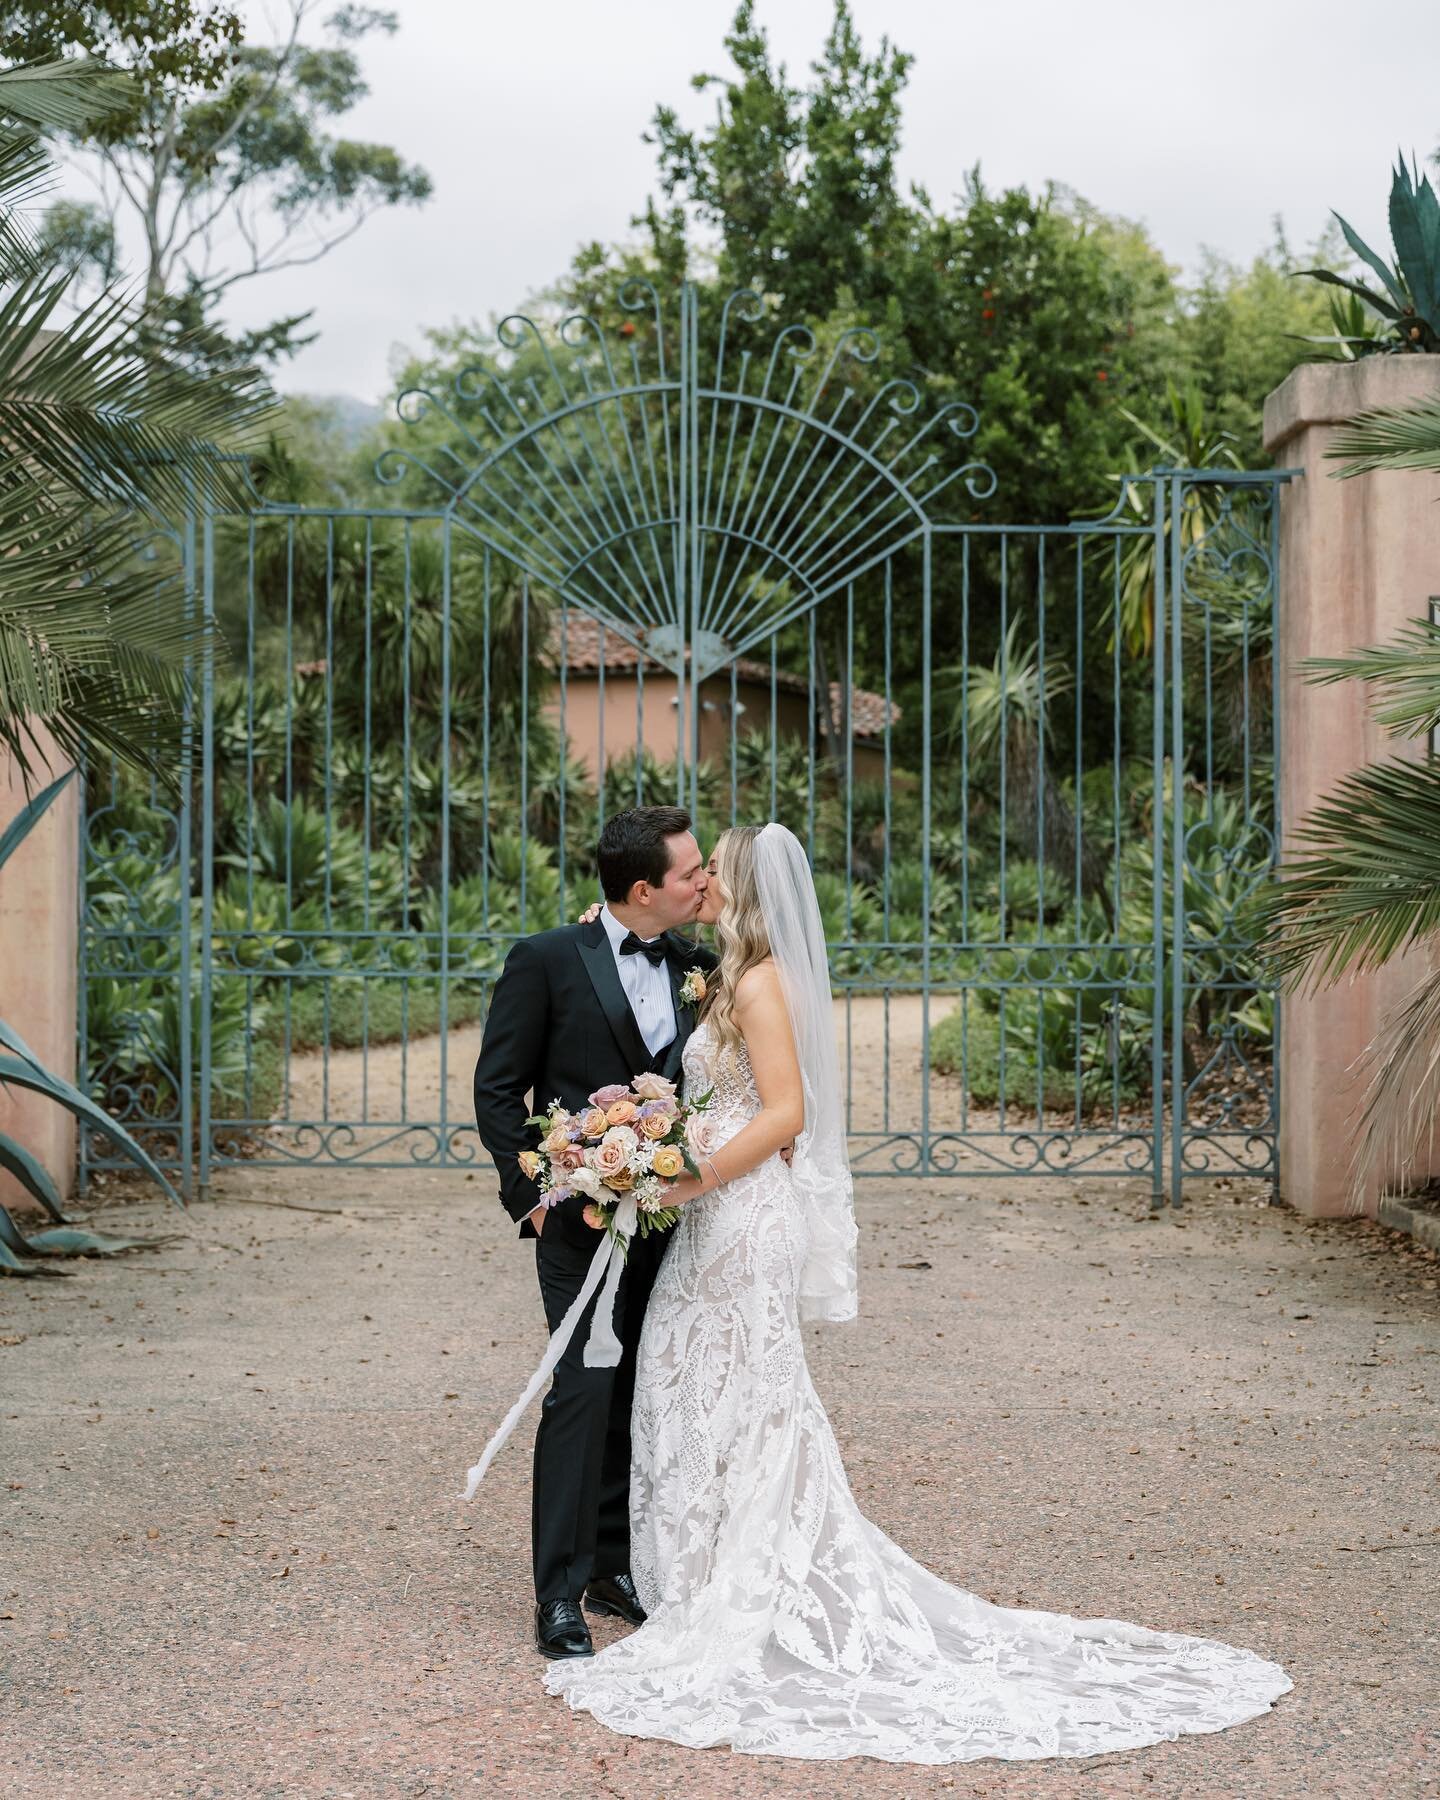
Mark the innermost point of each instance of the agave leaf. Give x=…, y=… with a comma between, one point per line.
x=72, y=1240
x=41, y=1081
x=1384, y=307
x=16, y=1160
x=17, y=1265
x=29, y=817
x=1415, y=227
x=1394, y=286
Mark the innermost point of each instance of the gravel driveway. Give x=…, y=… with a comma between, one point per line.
x=235, y=1563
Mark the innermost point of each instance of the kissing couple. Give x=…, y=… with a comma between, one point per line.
x=695, y=1488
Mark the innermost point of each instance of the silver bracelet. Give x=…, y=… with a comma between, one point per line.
x=709, y=1164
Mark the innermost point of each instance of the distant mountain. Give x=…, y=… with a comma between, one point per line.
x=349, y=417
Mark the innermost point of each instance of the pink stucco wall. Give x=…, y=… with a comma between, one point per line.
x=38, y=931
x=1359, y=557
x=658, y=725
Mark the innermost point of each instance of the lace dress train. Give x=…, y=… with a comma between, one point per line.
x=781, y=1620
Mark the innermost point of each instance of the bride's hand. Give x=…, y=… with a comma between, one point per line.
x=683, y=1190
x=590, y=914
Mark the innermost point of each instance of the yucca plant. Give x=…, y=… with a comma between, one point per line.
x=1410, y=301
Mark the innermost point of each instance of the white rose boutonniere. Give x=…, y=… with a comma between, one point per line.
x=692, y=988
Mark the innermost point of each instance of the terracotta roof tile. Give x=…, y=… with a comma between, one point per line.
x=870, y=714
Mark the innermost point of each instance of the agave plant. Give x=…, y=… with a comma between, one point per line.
x=27, y=1252
x=1410, y=301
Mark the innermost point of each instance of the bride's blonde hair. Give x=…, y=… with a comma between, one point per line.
x=739, y=930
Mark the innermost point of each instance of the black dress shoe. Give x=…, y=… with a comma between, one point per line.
x=560, y=1630
x=615, y=1594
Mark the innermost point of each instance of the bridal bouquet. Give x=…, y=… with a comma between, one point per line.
x=627, y=1140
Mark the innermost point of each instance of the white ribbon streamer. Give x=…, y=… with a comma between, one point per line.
x=602, y=1347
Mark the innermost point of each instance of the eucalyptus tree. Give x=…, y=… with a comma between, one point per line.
x=223, y=162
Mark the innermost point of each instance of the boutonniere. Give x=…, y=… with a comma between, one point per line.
x=692, y=988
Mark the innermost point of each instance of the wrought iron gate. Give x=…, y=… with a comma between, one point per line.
x=1034, y=765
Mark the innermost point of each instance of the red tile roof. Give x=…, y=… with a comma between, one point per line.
x=870, y=714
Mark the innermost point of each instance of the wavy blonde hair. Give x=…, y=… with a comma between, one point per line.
x=740, y=932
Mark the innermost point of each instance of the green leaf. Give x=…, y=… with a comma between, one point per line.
x=16, y=1160
x=1394, y=286
x=1397, y=437
x=1366, y=883
x=66, y=94
x=29, y=1075
x=1415, y=228
x=1384, y=307
x=72, y=1240
x=29, y=817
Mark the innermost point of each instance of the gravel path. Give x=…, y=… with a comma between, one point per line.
x=234, y=1563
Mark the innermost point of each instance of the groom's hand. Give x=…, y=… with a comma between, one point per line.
x=788, y=1153
x=537, y=1219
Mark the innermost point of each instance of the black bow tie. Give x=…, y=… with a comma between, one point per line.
x=654, y=948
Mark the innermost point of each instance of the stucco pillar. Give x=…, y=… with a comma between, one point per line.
x=1358, y=558
x=38, y=945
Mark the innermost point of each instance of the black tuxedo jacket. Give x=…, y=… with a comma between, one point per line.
x=559, y=1027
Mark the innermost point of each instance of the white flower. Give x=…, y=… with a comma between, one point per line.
x=641, y=1156
x=622, y=1135
x=584, y=1181
x=650, y=1086
x=649, y=1193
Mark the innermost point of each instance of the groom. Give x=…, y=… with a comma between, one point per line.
x=574, y=1010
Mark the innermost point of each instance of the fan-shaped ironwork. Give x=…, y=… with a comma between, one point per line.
x=694, y=497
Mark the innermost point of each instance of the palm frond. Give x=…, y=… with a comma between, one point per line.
x=99, y=660
x=1406, y=671
x=1368, y=885
x=1402, y=1097
x=1390, y=437
x=64, y=94
x=82, y=406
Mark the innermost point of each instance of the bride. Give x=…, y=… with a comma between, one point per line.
x=780, y=1620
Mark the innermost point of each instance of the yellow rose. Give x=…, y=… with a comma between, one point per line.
x=531, y=1162
x=668, y=1162
x=558, y=1140
x=622, y=1181
x=697, y=985
x=593, y=1122
x=657, y=1125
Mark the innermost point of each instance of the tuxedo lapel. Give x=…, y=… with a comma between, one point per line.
x=599, y=960
x=677, y=967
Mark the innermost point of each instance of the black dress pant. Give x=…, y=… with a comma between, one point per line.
x=580, y=1506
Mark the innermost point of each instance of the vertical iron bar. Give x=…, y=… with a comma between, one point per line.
x=445, y=620
x=927, y=545
x=1177, y=787
x=1160, y=600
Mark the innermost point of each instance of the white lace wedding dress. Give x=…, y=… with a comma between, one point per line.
x=783, y=1622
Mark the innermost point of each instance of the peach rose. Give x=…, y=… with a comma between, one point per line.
x=609, y=1157
x=668, y=1162
x=594, y=1217
x=532, y=1163
x=651, y=1086
x=657, y=1125
x=593, y=1122
x=558, y=1140
x=621, y=1182
x=622, y=1112
x=702, y=1134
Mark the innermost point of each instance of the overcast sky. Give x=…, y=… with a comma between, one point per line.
x=1201, y=120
